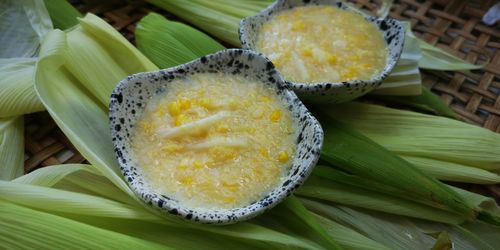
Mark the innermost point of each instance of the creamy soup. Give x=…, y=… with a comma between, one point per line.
x=214, y=140
x=314, y=44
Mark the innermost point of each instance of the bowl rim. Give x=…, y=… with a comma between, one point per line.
x=272, y=10
x=176, y=208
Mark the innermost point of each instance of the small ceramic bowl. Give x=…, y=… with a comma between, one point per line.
x=329, y=92
x=131, y=95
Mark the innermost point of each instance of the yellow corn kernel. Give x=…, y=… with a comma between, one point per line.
x=278, y=63
x=298, y=26
x=181, y=167
x=222, y=128
x=185, y=103
x=354, y=58
x=367, y=65
x=174, y=108
x=264, y=152
x=233, y=187
x=197, y=164
x=307, y=52
x=171, y=148
x=250, y=129
x=350, y=73
x=180, y=120
x=265, y=99
x=207, y=103
x=332, y=59
x=188, y=180
x=233, y=103
x=275, y=115
x=283, y=156
x=229, y=199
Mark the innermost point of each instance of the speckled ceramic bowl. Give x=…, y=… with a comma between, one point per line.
x=131, y=95
x=329, y=92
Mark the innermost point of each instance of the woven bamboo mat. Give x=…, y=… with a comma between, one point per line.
x=454, y=26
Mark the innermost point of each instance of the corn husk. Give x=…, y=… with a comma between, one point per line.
x=326, y=190
x=407, y=233
x=341, y=148
x=409, y=133
x=62, y=13
x=426, y=101
x=170, y=43
x=22, y=227
x=300, y=221
x=347, y=237
x=11, y=148
x=438, y=59
x=20, y=44
x=450, y=171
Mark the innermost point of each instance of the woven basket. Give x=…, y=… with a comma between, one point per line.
x=454, y=26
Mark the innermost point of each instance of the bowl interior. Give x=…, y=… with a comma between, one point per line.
x=131, y=95
x=391, y=29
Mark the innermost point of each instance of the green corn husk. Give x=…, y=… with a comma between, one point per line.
x=407, y=233
x=350, y=195
x=170, y=43
x=450, y=171
x=414, y=134
x=426, y=101
x=22, y=227
x=18, y=53
x=296, y=215
x=365, y=190
x=62, y=13
x=11, y=148
x=347, y=237
x=341, y=148
x=437, y=59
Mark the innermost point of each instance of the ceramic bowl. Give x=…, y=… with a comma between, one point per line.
x=329, y=92
x=131, y=95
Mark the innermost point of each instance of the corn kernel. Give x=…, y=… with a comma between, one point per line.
x=233, y=187
x=283, y=156
x=207, y=103
x=180, y=120
x=181, y=167
x=332, y=59
x=229, y=199
x=197, y=165
x=298, y=26
x=265, y=99
x=188, y=180
x=307, y=52
x=174, y=108
x=275, y=116
x=185, y=104
x=171, y=148
x=222, y=128
x=367, y=65
x=264, y=152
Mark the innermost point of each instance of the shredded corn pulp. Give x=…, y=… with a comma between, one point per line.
x=323, y=44
x=214, y=141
